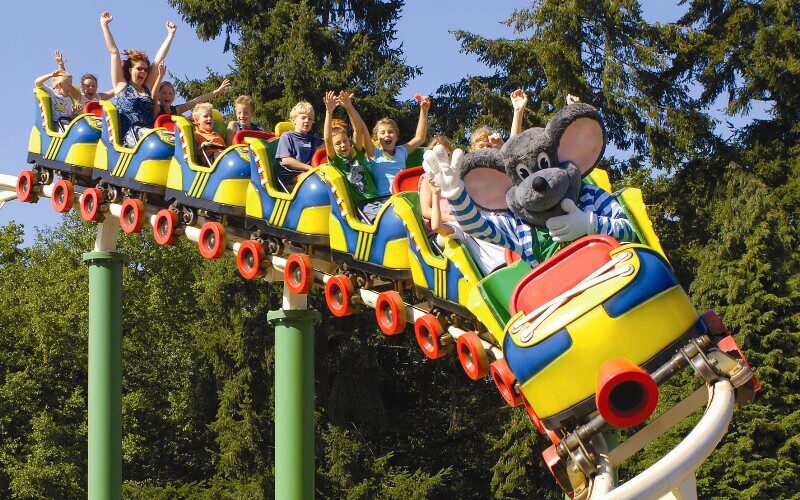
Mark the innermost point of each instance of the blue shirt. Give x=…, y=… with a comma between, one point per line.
x=135, y=109
x=295, y=145
x=385, y=167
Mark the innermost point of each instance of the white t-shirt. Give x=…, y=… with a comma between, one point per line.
x=487, y=255
x=60, y=106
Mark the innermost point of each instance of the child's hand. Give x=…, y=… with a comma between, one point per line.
x=572, y=99
x=60, y=60
x=425, y=104
x=519, y=99
x=162, y=69
x=171, y=28
x=205, y=144
x=222, y=86
x=106, y=18
x=330, y=100
x=345, y=99
x=55, y=73
x=495, y=141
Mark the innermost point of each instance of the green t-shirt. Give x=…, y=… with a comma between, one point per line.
x=356, y=170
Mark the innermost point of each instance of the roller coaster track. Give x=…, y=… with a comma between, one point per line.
x=671, y=477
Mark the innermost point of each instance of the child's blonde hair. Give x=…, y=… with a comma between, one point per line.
x=199, y=108
x=301, y=108
x=481, y=134
x=245, y=100
x=60, y=76
x=444, y=141
x=385, y=121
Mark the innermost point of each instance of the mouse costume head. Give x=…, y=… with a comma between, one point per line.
x=539, y=167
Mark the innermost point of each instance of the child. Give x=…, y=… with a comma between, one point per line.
x=88, y=85
x=485, y=137
x=352, y=162
x=61, y=95
x=296, y=148
x=244, y=107
x=387, y=158
x=209, y=141
x=166, y=97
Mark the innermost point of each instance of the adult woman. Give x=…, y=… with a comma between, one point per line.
x=132, y=81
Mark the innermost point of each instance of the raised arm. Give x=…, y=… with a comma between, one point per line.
x=327, y=131
x=117, y=75
x=162, y=70
x=161, y=55
x=181, y=109
x=519, y=99
x=361, y=134
x=40, y=81
x=422, y=126
x=62, y=64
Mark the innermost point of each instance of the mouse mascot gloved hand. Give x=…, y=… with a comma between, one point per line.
x=537, y=176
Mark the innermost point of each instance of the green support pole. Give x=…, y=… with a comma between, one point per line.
x=105, y=374
x=294, y=402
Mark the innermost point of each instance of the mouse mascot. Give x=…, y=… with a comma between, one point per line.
x=537, y=176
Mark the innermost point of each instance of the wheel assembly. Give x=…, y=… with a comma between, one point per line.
x=472, y=356
x=249, y=258
x=132, y=215
x=63, y=196
x=299, y=274
x=26, y=180
x=390, y=311
x=339, y=295
x=429, y=333
x=90, y=205
x=506, y=382
x=165, y=227
x=212, y=240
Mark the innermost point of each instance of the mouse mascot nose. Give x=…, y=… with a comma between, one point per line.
x=539, y=184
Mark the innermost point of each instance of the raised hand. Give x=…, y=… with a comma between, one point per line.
x=330, y=101
x=519, y=99
x=223, y=86
x=574, y=224
x=345, y=99
x=495, y=141
x=425, y=104
x=106, y=18
x=171, y=28
x=572, y=99
x=59, y=59
x=162, y=69
x=442, y=169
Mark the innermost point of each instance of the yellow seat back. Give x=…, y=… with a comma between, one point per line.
x=282, y=127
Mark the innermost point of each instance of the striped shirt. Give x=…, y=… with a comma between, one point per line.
x=535, y=245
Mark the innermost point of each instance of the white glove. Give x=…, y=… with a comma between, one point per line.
x=573, y=225
x=442, y=169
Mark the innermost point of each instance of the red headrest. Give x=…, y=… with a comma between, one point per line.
x=407, y=180
x=165, y=121
x=240, y=135
x=320, y=158
x=94, y=108
x=561, y=272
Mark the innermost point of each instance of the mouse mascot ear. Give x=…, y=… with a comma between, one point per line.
x=484, y=175
x=579, y=135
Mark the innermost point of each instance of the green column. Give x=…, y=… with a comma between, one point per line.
x=294, y=403
x=105, y=374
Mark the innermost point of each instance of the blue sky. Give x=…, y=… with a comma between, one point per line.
x=35, y=29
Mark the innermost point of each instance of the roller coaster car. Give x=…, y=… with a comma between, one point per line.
x=379, y=247
x=70, y=151
x=301, y=215
x=219, y=189
x=142, y=168
x=592, y=302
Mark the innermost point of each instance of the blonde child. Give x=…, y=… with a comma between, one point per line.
x=485, y=137
x=388, y=159
x=62, y=94
x=244, y=108
x=296, y=148
x=209, y=141
x=88, y=90
x=166, y=97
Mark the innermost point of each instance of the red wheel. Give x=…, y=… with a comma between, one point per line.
x=63, y=196
x=390, y=310
x=25, y=182
x=298, y=274
x=506, y=382
x=339, y=295
x=131, y=217
x=212, y=240
x=249, y=258
x=90, y=204
x=472, y=356
x=429, y=334
x=165, y=226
